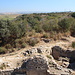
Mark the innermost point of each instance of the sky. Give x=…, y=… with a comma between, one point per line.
x=36, y=5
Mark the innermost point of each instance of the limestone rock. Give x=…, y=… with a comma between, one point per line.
x=37, y=65
x=59, y=52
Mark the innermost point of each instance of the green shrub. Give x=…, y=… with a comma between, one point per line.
x=73, y=44
x=8, y=46
x=17, y=45
x=33, y=41
x=45, y=36
x=48, y=56
x=31, y=33
x=19, y=41
x=64, y=25
x=2, y=66
x=23, y=45
x=73, y=14
x=38, y=28
x=3, y=50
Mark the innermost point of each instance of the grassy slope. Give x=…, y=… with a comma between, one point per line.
x=8, y=16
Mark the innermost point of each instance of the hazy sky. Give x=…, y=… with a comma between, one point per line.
x=36, y=5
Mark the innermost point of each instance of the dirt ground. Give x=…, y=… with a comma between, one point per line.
x=15, y=59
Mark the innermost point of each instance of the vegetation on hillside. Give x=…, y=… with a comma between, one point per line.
x=24, y=29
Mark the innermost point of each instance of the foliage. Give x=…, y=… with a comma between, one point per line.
x=27, y=25
x=3, y=50
x=20, y=41
x=64, y=25
x=38, y=28
x=2, y=66
x=8, y=46
x=72, y=30
x=73, y=14
x=23, y=45
x=45, y=35
x=48, y=56
x=4, y=31
x=18, y=30
x=73, y=44
x=33, y=41
x=50, y=25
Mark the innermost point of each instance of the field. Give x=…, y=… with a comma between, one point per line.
x=8, y=16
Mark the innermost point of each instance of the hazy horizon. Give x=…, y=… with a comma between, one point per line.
x=36, y=6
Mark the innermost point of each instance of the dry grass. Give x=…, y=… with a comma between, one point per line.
x=10, y=17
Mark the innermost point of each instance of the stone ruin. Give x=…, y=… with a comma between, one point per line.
x=42, y=65
x=58, y=52
x=36, y=65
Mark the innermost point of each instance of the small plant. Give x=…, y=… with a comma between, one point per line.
x=31, y=33
x=23, y=45
x=2, y=66
x=45, y=36
x=73, y=14
x=48, y=56
x=8, y=46
x=73, y=44
x=33, y=41
x=18, y=41
x=3, y=50
x=17, y=45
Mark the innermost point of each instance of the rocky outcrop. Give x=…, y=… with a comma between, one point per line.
x=39, y=61
x=37, y=65
x=67, y=56
x=59, y=52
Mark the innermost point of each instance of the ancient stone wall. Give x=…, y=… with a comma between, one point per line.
x=59, y=52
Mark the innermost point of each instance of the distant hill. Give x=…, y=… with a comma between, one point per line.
x=9, y=16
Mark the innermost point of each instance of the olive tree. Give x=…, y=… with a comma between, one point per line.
x=64, y=25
